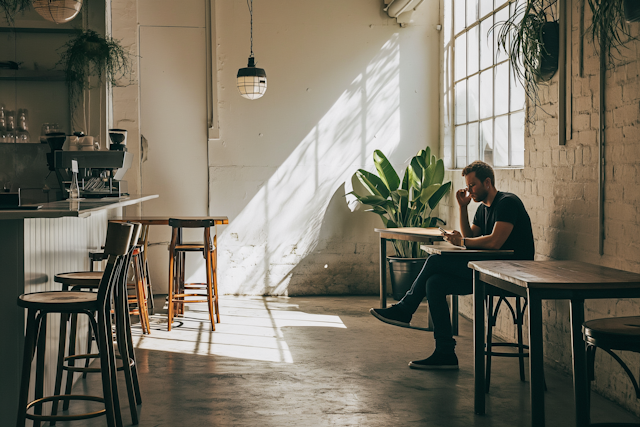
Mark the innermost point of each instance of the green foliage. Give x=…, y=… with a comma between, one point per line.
x=609, y=23
x=521, y=38
x=12, y=7
x=408, y=203
x=90, y=54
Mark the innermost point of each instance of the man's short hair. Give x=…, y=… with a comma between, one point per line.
x=482, y=170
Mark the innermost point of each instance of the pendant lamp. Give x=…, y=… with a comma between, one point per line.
x=252, y=81
x=58, y=11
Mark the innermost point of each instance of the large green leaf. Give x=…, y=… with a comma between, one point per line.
x=435, y=199
x=427, y=179
x=406, y=180
x=403, y=205
x=386, y=171
x=373, y=200
x=438, y=175
x=428, y=192
x=416, y=171
x=372, y=183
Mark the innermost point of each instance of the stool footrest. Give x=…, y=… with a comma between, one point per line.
x=65, y=397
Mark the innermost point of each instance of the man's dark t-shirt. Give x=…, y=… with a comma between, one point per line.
x=508, y=207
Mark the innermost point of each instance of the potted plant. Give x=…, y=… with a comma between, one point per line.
x=609, y=30
x=90, y=55
x=409, y=203
x=12, y=7
x=532, y=43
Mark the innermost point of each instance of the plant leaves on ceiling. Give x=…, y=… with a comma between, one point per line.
x=12, y=7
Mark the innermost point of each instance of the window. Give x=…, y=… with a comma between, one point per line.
x=484, y=102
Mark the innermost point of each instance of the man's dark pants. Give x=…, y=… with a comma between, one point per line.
x=440, y=276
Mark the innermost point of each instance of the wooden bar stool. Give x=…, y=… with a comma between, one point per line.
x=40, y=304
x=83, y=281
x=178, y=289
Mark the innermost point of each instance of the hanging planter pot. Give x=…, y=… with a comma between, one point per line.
x=632, y=10
x=550, y=36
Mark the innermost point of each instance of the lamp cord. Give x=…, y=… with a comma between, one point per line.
x=250, y=6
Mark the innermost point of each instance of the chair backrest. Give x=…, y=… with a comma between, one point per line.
x=191, y=223
x=118, y=242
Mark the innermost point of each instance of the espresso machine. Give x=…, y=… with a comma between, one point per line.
x=100, y=173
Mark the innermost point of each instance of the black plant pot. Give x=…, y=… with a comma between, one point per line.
x=550, y=34
x=403, y=273
x=632, y=10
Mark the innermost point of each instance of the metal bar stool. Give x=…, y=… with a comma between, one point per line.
x=617, y=333
x=40, y=304
x=178, y=289
x=88, y=281
x=517, y=315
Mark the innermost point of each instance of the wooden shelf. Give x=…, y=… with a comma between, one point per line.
x=32, y=75
x=38, y=30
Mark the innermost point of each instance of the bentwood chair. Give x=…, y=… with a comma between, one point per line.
x=40, y=305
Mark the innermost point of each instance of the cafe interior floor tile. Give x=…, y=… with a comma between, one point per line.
x=319, y=361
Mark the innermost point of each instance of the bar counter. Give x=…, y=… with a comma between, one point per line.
x=35, y=245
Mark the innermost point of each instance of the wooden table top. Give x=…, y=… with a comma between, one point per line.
x=164, y=220
x=449, y=249
x=416, y=234
x=558, y=275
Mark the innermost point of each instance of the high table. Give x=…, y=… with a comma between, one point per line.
x=412, y=234
x=448, y=250
x=538, y=280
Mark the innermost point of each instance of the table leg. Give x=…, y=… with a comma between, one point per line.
x=536, y=360
x=383, y=272
x=478, y=342
x=579, y=364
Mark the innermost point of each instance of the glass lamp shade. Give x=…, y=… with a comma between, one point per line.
x=58, y=11
x=252, y=81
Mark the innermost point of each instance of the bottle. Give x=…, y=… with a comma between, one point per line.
x=3, y=126
x=74, y=189
x=11, y=128
x=23, y=131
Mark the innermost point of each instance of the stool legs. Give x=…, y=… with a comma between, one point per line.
x=209, y=261
x=72, y=352
x=27, y=358
x=519, y=323
x=172, y=279
x=489, y=343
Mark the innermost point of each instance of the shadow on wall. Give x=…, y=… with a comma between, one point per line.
x=262, y=248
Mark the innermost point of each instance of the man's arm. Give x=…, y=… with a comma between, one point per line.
x=463, y=198
x=495, y=240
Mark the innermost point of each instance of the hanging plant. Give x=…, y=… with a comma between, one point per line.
x=12, y=7
x=609, y=22
x=91, y=55
x=530, y=38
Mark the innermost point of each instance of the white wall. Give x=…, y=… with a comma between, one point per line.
x=343, y=80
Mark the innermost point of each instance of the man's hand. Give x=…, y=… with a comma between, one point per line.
x=454, y=237
x=463, y=197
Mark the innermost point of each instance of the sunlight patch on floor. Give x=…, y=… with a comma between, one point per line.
x=250, y=328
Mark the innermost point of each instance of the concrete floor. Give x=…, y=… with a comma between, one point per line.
x=320, y=361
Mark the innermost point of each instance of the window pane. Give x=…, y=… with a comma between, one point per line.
x=517, y=139
x=500, y=3
x=472, y=51
x=486, y=43
x=486, y=140
x=486, y=6
x=501, y=16
x=461, y=102
x=486, y=93
x=472, y=11
x=447, y=21
x=461, y=146
x=460, y=66
x=474, y=150
x=502, y=95
x=458, y=9
x=472, y=98
x=501, y=142
x=517, y=93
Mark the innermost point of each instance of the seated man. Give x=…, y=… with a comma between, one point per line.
x=501, y=222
